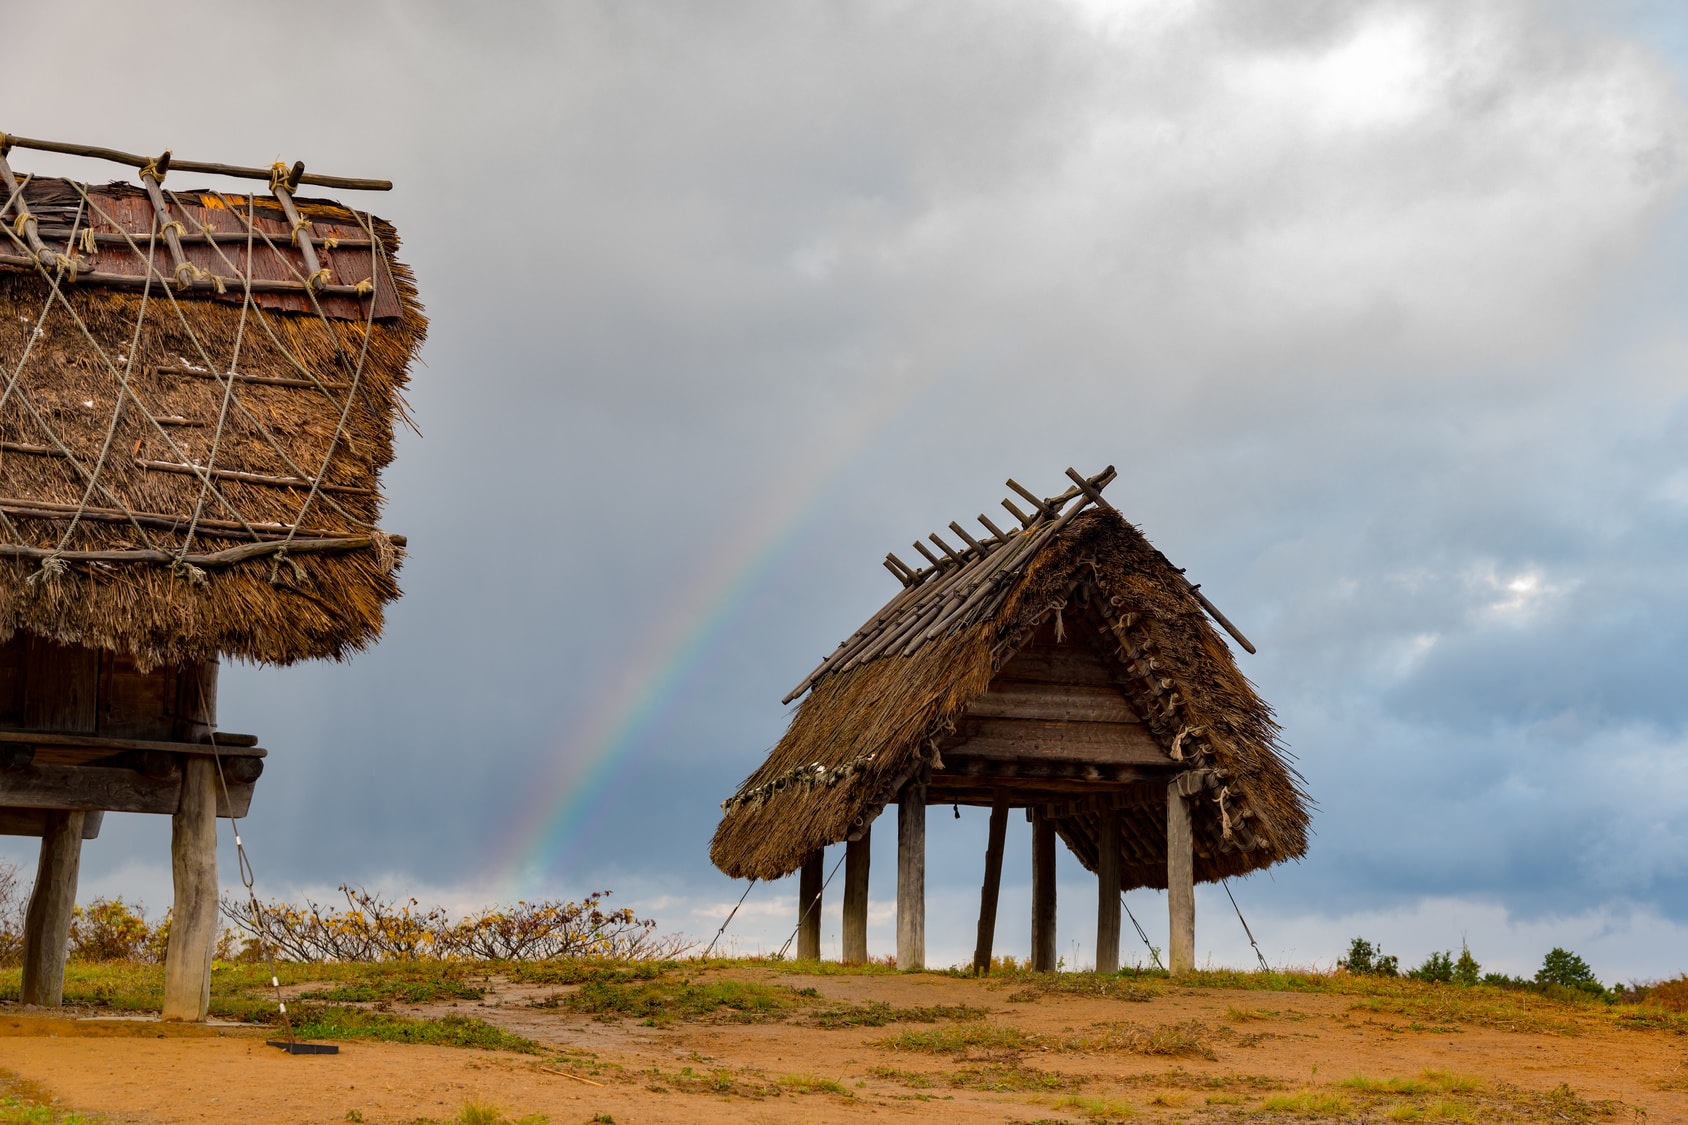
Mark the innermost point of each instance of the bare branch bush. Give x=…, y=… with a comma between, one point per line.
x=372, y=927
x=14, y=902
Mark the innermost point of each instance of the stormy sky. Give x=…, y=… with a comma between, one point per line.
x=1376, y=306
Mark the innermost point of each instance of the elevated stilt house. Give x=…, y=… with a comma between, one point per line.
x=1063, y=667
x=198, y=397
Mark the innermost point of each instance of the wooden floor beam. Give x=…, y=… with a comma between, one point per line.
x=992, y=886
x=809, y=906
x=911, y=877
x=858, y=855
x=193, y=918
x=46, y=927
x=1043, y=893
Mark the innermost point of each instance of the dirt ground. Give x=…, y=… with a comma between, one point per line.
x=1265, y=1045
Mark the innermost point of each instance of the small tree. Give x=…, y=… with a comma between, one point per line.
x=1438, y=968
x=13, y=900
x=1466, y=970
x=1366, y=959
x=1566, y=969
x=109, y=930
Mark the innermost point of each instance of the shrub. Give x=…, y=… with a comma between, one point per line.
x=109, y=929
x=1566, y=969
x=1671, y=994
x=13, y=902
x=1366, y=959
x=374, y=928
x=1438, y=968
x=1466, y=969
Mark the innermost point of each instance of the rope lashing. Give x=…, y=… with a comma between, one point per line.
x=299, y=226
x=366, y=287
x=193, y=575
x=186, y=274
x=181, y=231
x=1224, y=813
x=24, y=218
x=386, y=555
x=150, y=169
x=88, y=243
x=52, y=569
x=330, y=242
x=319, y=280
x=278, y=175
x=1178, y=741
x=66, y=264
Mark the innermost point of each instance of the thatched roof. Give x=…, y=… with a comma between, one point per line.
x=892, y=701
x=150, y=504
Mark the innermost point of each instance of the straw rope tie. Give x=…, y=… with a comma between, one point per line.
x=88, y=243
x=52, y=569
x=150, y=170
x=181, y=231
x=319, y=279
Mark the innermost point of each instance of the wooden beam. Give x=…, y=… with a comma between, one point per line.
x=1055, y=740
x=858, y=855
x=993, y=883
x=809, y=906
x=1180, y=884
x=46, y=927
x=1107, y=890
x=115, y=790
x=193, y=917
x=33, y=822
x=1043, y=893
x=911, y=877
x=116, y=156
x=229, y=744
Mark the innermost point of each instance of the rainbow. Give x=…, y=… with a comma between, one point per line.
x=587, y=769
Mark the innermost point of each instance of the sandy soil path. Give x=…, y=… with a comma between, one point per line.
x=1264, y=1045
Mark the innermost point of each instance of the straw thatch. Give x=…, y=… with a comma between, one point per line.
x=305, y=406
x=865, y=732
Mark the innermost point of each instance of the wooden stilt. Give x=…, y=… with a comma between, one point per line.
x=857, y=855
x=993, y=883
x=1180, y=885
x=46, y=927
x=1043, y=893
x=1107, y=893
x=809, y=907
x=911, y=878
x=193, y=865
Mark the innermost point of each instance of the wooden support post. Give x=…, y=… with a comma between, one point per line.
x=857, y=856
x=1107, y=892
x=1180, y=884
x=911, y=877
x=993, y=883
x=193, y=866
x=1043, y=893
x=46, y=926
x=809, y=907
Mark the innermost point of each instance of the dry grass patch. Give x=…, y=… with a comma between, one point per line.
x=1307, y=1103
x=1097, y=1109
x=1188, y=1039
x=961, y=1039
x=877, y=1013
x=813, y=1084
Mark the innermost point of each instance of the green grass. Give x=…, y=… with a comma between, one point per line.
x=877, y=1013
x=662, y=1002
x=960, y=1039
x=334, y=1022
x=25, y=1103
x=1307, y=1103
x=1098, y=1109
x=814, y=1084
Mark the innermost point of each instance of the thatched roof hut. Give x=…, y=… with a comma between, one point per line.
x=1065, y=667
x=198, y=394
